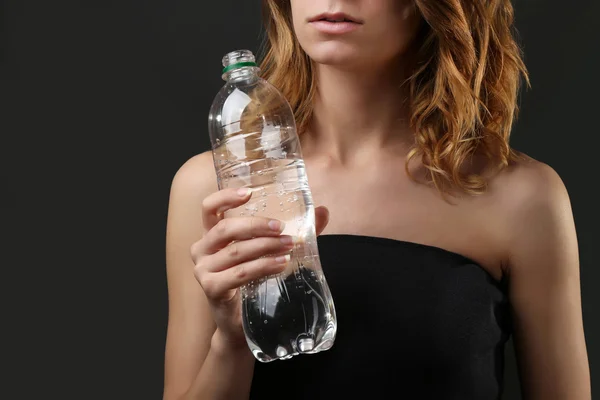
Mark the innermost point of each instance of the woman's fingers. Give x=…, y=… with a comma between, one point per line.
x=248, y=250
x=218, y=202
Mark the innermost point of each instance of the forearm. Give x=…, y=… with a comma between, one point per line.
x=226, y=373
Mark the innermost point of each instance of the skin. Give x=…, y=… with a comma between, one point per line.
x=357, y=142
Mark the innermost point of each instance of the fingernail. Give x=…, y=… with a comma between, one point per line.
x=242, y=192
x=286, y=240
x=276, y=225
x=283, y=259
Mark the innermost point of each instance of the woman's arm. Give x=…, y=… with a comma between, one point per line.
x=543, y=267
x=198, y=364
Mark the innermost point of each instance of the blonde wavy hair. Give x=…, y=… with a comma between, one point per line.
x=462, y=92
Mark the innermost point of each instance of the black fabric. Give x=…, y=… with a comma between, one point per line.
x=414, y=322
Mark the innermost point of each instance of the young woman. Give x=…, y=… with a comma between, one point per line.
x=437, y=239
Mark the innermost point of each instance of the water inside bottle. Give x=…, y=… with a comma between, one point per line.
x=290, y=313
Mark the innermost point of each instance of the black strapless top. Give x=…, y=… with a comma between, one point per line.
x=414, y=322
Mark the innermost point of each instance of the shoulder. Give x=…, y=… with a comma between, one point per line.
x=532, y=207
x=196, y=177
x=528, y=183
x=192, y=183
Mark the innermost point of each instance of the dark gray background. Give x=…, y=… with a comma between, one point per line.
x=102, y=101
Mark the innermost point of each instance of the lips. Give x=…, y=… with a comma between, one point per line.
x=335, y=18
x=335, y=23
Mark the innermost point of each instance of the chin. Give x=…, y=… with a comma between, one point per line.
x=335, y=53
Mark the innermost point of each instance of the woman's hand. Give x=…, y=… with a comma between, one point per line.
x=235, y=251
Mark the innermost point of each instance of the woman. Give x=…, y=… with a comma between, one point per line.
x=474, y=242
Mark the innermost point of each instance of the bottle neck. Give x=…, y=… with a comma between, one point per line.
x=241, y=70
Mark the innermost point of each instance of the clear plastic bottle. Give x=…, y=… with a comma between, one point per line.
x=255, y=145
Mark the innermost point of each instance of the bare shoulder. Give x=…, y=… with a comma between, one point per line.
x=196, y=177
x=192, y=183
x=532, y=210
x=528, y=184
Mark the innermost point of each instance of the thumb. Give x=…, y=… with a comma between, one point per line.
x=321, y=219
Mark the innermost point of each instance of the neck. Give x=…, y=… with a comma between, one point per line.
x=358, y=113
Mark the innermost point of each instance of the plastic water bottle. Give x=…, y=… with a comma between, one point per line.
x=255, y=145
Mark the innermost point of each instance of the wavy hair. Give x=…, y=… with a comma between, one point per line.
x=462, y=92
